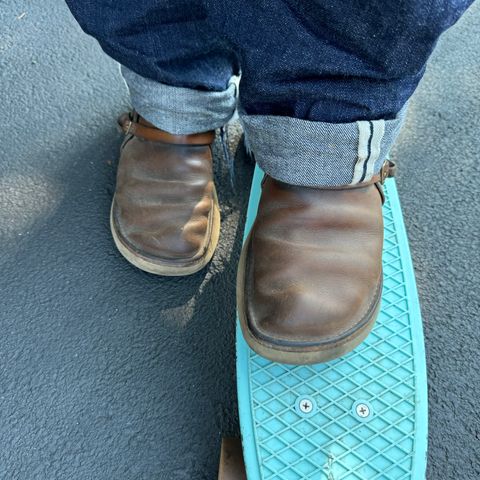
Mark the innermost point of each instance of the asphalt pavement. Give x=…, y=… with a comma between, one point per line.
x=107, y=372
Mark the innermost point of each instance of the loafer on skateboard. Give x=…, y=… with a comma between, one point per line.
x=310, y=274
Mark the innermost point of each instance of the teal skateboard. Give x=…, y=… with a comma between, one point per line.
x=359, y=417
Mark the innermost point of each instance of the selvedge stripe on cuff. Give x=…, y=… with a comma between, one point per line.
x=378, y=127
x=365, y=132
x=370, y=135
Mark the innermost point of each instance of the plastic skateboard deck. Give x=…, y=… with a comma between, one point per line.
x=359, y=417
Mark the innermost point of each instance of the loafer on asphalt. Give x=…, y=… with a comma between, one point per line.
x=165, y=217
x=309, y=281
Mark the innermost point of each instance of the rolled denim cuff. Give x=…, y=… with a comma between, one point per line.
x=315, y=154
x=179, y=110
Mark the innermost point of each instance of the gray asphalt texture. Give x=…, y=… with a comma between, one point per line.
x=107, y=372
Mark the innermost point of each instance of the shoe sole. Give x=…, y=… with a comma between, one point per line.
x=165, y=269
x=295, y=355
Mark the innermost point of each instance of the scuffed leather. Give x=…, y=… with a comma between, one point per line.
x=164, y=198
x=313, y=268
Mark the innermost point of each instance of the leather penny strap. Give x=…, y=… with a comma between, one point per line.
x=389, y=169
x=130, y=125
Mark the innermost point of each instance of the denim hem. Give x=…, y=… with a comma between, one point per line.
x=179, y=110
x=315, y=154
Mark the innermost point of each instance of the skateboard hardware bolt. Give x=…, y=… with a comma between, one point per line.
x=362, y=410
x=305, y=406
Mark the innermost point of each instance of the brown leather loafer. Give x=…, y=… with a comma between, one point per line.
x=165, y=217
x=310, y=275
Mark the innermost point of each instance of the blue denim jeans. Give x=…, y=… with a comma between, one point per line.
x=320, y=85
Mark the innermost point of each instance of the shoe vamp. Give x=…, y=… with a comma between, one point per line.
x=163, y=200
x=314, y=269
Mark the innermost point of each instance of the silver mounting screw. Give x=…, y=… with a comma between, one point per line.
x=305, y=405
x=362, y=410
